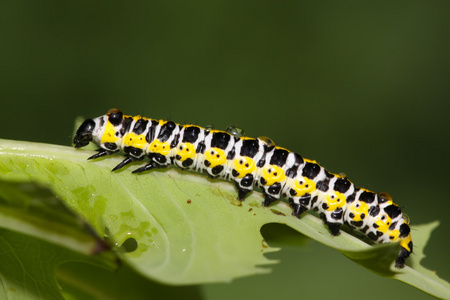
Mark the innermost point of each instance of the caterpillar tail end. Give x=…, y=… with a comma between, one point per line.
x=406, y=248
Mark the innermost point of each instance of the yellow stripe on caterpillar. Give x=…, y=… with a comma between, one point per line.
x=304, y=186
x=359, y=209
x=244, y=165
x=405, y=243
x=133, y=140
x=185, y=151
x=335, y=200
x=273, y=174
x=215, y=157
x=109, y=135
x=159, y=147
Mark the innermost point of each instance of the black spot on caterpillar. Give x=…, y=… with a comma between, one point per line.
x=249, y=163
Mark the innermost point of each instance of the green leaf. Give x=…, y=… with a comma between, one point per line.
x=182, y=228
x=32, y=209
x=28, y=264
x=89, y=282
x=53, y=236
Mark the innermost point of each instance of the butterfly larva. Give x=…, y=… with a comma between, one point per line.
x=250, y=162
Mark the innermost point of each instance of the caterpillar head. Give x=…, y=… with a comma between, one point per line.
x=84, y=133
x=93, y=129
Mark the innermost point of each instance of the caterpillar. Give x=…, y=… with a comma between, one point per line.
x=250, y=163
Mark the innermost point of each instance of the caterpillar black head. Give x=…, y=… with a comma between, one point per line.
x=91, y=130
x=84, y=133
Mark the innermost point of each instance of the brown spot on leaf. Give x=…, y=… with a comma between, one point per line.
x=277, y=212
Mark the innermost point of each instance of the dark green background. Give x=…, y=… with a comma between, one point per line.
x=362, y=87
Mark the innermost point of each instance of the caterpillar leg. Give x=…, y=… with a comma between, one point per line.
x=101, y=153
x=124, y=162
x=149, y=166
x=269, y=200
x=298, y=209
x=333, y=227
x=242, y=193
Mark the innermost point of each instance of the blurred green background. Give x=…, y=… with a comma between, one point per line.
x=362, y=87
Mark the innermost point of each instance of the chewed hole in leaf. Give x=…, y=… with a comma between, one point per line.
x=129, y=245
x=106, y=232
x=278, y=235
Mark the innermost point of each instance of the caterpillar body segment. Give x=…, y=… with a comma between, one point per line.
x=249, y=163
